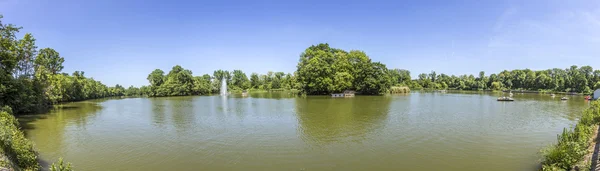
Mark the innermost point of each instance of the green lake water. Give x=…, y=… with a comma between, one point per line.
x=465, y=131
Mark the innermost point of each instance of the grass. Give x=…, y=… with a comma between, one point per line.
x=572, y=145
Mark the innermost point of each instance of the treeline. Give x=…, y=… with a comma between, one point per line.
x=574, y=79
x=181, y=82
x=321, y=70
x=31, y=78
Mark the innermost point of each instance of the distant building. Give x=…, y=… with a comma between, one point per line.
x=596, y=95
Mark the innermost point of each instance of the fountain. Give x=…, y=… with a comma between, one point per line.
x=223, y=87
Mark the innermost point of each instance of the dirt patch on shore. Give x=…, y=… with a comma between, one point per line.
x=591, y=159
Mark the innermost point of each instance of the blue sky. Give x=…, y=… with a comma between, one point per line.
x=120, y=41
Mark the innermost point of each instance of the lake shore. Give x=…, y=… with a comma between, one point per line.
x=574, y=146
x=591, y=159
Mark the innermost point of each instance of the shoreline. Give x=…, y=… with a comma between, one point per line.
x=594, y=150
x=508, y=91
x=575, y=145
x=590, y=160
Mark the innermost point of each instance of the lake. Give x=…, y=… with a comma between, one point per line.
x=279, y=131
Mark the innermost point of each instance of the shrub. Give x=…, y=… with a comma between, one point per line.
x=572, y=145
x=14, y=144
x=61, y=166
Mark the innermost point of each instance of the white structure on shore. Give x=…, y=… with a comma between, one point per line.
x=596, y=95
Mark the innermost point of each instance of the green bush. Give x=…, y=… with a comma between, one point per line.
x=572, y=145
x=13, y=142
x=61, y=166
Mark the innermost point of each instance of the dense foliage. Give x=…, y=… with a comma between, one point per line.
x=572, y=145
x=574, y=79
x=324, y=70
x=14, y=144
x=181, y=82
x=321, y=70
x=31, y=79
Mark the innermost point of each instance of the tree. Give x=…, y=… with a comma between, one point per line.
x=132, y=91
x=201, y=85
x=375, y=79
x=324, y=70
x=240, y=80
x=400, y=76
x=156, y=79
x=254, y=81
x=222, y=74
x=496, y=85
x=314, y=69
x=179, y=82
x=596, y=76
x=433, y=75
x=51, y=60
x=26, y=52
x=30, y=79
x=8, y=61
x=481, y=75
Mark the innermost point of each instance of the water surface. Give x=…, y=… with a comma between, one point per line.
x=278, y=131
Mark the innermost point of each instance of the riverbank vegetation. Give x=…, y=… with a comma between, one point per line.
x=31, y=81
x=573, y=79
x=14, y=144
x=572, y=145
x=31, y=78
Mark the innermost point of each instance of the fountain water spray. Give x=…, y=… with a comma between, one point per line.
x=223, y=87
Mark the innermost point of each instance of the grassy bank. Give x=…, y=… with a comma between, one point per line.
x=13, y=143
x=16, y=151
x=572, y=145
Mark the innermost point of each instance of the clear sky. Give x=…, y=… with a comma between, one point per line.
x=122, y=41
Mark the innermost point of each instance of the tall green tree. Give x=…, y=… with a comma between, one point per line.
x=26, y=54
x=254, y=81
x=324, y=70
x=240, y=80
x=30, y=79
x=50, y=60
